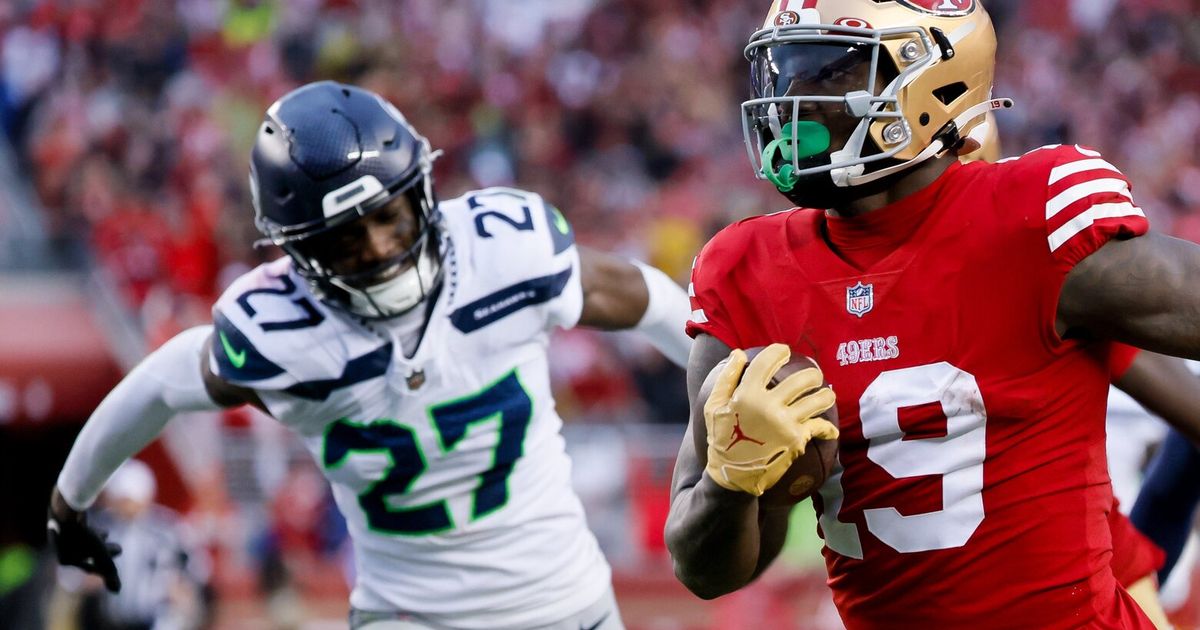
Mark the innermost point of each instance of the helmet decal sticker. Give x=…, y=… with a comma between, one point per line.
x=805, y=13
x=947, y=8
x=853, y=22
x=787, y=18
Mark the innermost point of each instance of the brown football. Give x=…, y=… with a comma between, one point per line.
x=810, y=470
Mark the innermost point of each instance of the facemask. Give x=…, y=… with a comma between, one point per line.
x=398, y=295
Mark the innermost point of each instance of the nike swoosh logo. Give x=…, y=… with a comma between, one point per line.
x=560, y=222
x=597, y=624
x=238, y=359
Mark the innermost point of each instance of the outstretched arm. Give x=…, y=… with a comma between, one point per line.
x=619, y=294
x=171, y=380
x=1143, y=291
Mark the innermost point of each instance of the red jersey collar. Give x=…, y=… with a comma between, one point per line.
x=888, y=226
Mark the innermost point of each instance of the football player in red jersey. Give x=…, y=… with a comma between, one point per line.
x=958, y=311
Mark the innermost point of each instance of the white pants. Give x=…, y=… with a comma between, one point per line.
x=602, y=615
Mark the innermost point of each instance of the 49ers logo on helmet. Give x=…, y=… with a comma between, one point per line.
x=949, y=8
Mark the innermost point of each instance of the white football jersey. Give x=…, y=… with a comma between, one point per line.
x=448, y=466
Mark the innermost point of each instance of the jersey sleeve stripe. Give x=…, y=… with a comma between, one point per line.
x=691, y=289
x=699, y=317
x=1082, y=191
x=1090, y=216
x=1072, y=168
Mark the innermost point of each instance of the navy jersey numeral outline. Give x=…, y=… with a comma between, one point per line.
x=505, y=400
x=312, y=317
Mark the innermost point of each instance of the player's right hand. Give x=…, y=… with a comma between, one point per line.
x=79, y=545
x=755, y=431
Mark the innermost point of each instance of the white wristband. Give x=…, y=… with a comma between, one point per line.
x=666, y=315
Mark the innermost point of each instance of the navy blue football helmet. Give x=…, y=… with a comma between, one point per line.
x=328, y=154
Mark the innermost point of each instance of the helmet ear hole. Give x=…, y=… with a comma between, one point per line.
x=924, y=119
x=947, y=94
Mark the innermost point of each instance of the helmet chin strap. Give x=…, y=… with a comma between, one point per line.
x=397, y=295
x=853, y=149
x=935, y=148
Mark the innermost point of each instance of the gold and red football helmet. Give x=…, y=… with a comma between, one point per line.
x=863, y=89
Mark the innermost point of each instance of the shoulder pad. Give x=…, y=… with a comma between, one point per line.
x=729, y=246
x=1038, y=162
x=1085, y=201
x=518, y=251
x=272, y=334
x=508, y=217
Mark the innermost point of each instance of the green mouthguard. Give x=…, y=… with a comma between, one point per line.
x=798, y=140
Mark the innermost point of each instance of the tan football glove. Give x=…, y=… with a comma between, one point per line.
x=755, y=433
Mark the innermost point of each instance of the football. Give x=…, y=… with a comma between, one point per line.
x=810, y=470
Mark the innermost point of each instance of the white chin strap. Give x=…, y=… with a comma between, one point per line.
x=853, y=176
x=401, y=293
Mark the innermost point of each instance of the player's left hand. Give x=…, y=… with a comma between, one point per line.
x=80, y=545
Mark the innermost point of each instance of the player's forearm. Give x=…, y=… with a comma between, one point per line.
x=665, y=320
x=773, y=529
x=619, y=294
x=134, y=413
x=1165, y=386
x=714, y=538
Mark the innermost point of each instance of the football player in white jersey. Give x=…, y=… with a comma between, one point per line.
x=406, y=341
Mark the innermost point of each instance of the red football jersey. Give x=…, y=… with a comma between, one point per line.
x=1134, y=555
x=1120, y=359
x=972, y=488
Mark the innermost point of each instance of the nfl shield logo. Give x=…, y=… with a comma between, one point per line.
x=860, y=299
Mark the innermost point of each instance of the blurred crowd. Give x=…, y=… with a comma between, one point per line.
x=1122, y=76
x=134, y=120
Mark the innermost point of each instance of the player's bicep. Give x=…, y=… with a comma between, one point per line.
x=221, y=391
x=1143, y=291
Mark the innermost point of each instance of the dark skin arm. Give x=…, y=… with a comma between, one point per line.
x=1166, y=387
x=720, y=540
x=614, y=292
x=1143, y=291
